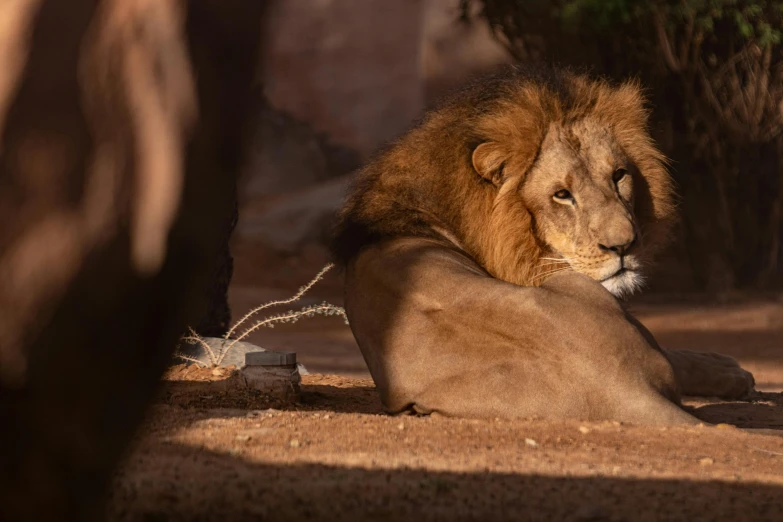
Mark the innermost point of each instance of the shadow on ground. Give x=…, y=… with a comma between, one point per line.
x=322, y=492
x=764, y=411
x=319, y=393
x=331, y=393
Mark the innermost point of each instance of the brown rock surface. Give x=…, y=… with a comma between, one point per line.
x=349, y=68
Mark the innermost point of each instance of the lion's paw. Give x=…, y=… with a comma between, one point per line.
x=712, y=375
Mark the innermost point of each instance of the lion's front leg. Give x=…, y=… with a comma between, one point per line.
x=710, y=375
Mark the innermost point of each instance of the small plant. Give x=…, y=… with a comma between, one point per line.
x=291, y=316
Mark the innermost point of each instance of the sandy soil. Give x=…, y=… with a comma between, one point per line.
x=214, y=451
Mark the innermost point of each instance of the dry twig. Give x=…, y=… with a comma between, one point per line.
x=292, y=316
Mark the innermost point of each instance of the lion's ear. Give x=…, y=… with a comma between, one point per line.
x=488, y=161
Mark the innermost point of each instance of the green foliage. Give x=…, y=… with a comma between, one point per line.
x=751, y=20
x=760, y=21
x=601, y=13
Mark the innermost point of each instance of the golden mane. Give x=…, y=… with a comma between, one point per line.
x=425, y=184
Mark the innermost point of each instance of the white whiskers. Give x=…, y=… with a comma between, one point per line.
x=549, y=273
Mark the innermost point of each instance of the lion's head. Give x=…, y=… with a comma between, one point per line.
x=530, y=173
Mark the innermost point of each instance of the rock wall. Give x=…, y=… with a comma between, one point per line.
x=348, y=67
x=362, y=71
x=340, y=78
x=452, y=50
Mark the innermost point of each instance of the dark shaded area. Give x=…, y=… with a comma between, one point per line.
x=94, y=362
x=320, y=492
x=217, y=320
x=763, y=411
x=766, y=345
x=231, y=394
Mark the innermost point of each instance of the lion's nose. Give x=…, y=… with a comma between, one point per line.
x=620, y=248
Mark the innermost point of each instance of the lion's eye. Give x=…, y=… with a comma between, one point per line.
x=619, y=174
x=563, y=194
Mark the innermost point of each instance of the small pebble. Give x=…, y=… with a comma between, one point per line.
x=531, y=443
x=401, y=426
x=584, y=430
x=242, y=438
x=294, y=443
x=327, y=417
x=706, y=461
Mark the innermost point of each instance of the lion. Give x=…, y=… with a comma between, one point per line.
x=486, y=252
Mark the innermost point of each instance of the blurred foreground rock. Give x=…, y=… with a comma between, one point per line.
x=121, y=122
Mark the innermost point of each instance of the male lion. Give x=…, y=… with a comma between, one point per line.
x=480, y=246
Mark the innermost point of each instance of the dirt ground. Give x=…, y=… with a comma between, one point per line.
x=213, y=451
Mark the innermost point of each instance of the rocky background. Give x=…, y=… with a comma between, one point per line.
x=339, y=79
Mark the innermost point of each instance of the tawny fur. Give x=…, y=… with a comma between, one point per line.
x=425, y=183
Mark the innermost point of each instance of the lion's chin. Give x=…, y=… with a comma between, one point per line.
x=624, y=283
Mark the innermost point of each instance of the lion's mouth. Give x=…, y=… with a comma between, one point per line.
x=619, y=273
x=623, y=282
